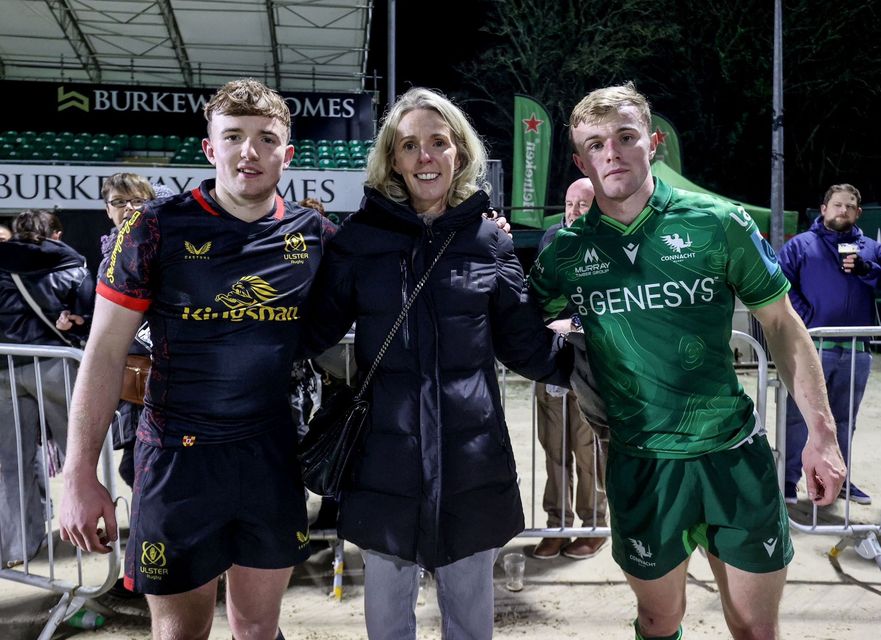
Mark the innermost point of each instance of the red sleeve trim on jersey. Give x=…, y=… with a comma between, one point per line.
x=197, y=194
x=135, y=304
x=279, y=207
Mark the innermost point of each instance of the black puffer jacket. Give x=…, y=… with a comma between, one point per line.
x=56, y=277
x=435, y=480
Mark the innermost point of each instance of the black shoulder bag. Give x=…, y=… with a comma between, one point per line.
x=335, y=430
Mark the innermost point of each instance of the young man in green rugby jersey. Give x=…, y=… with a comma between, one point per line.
x=653, y=272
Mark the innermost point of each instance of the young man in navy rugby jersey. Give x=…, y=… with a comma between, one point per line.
x=221, y=273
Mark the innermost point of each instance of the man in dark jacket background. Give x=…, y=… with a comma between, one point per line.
x=56, y=278
x=834, y=271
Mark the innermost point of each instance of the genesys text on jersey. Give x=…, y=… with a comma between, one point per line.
x=79, y=187
x=653, y=296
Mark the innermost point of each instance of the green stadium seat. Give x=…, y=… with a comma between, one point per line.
x=340, y=142
x=359, y=163
x=326, y=163
x=322, y=143
x=155, y=142
x=101, y=138
x=172, y=142
x=343, y=163
x=121, y=139
x=137, y=142
x=5, y=149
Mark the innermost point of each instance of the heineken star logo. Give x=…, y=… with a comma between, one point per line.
x=532, y=123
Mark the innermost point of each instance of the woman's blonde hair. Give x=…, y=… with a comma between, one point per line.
x=469, y=177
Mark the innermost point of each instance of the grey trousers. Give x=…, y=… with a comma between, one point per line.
x=13, y=547
x=464, y=595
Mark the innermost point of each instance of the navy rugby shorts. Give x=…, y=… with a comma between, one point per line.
x=198, y=510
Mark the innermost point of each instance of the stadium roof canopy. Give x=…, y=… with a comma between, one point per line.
x=293, y=45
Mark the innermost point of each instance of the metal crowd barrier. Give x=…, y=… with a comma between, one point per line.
x=595, y=528
x=75, y=591
x=864, y=537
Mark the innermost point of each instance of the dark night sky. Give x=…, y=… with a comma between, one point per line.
x=431, y=40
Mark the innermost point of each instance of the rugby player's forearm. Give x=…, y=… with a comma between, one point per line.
x=801, y=371
x=95, y=398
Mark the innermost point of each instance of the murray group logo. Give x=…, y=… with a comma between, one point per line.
x=295, y=249
x=247, y=298
x=594, y=265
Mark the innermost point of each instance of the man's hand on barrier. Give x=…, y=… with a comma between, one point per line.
x=824, y=469
x=84, y=503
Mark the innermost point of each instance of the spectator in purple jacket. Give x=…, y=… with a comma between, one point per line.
x=834, y=270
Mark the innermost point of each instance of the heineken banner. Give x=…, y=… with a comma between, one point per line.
x=532, y=150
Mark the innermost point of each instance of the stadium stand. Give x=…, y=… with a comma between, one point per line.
x=104, y=148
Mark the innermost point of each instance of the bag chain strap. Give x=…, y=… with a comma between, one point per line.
x=401, y=317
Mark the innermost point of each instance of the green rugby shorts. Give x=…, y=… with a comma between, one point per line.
x=728, y=502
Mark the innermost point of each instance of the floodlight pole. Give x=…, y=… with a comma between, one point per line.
x=392, y=92
x=777, y=133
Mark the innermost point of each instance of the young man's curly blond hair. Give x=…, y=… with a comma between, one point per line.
x=248, y=97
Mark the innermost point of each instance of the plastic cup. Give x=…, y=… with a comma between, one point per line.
x=846, y=249
x=515, y=566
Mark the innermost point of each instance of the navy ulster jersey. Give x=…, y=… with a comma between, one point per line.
x=224, y=299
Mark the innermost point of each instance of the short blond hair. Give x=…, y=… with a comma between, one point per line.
x=601, y=102
x=470, y=151
x=248, y=97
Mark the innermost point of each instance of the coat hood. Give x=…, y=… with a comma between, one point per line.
x=17, y=256
x=851, y=235
x=382, y=212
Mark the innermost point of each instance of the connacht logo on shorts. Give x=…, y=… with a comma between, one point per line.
x=153, y=554
x=188, y=441
x=644, y=551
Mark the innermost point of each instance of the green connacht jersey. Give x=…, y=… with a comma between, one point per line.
x=656, y=299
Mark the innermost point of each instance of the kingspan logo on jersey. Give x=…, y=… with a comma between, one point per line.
x=247, y=298
x=676, y=244
x=594, y=265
